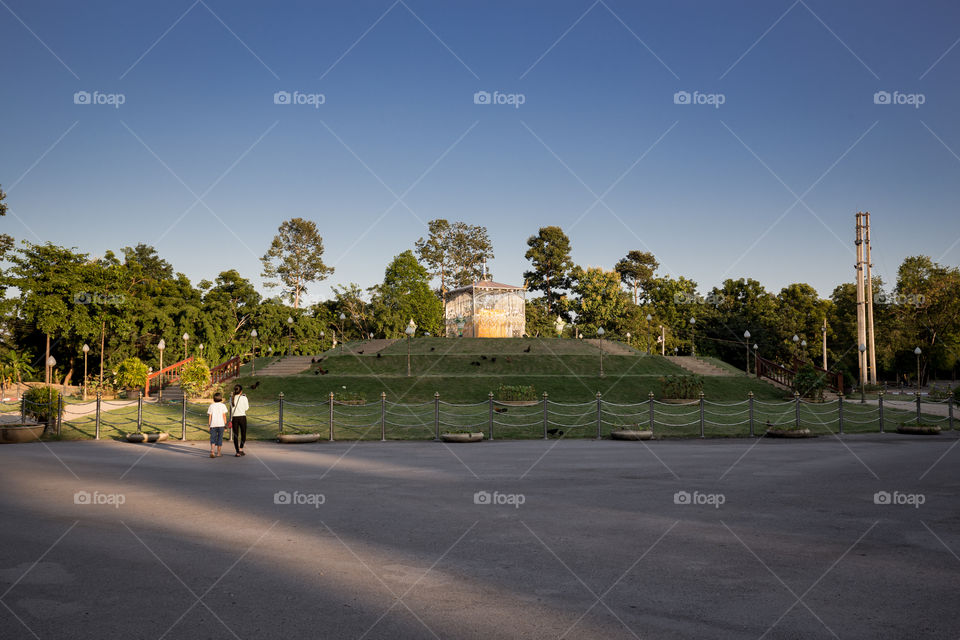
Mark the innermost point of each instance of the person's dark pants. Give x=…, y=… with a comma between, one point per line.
x=239, y=432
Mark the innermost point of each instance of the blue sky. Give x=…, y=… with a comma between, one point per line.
x=200, y=161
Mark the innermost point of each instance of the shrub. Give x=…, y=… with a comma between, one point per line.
x=682, y=387
x=195, y=377
x=132, y=374
x=41, y=403
x=516, y=392
x=810, y=383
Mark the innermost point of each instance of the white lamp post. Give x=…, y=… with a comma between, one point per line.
x=863, y=382
x=185, y=338
x=746, y=344
x=342, y=339
x=160, y=347
x=253, y=368
x=600, y=333
x=693, y=336
x=917, y=353
x=289, y=334
x=86, y=350
x=51, y=363
x=410, y=330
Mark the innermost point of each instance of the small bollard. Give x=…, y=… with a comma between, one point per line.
x=750, y=407
x=436, y=416
x=599, y=414
x=701, y=415
x=918, y=407
x=490, y=413
x=331, y=416
x=880, y=407
x=650, y=408
x=280, y=413
x=96, y=434
x=383, y=416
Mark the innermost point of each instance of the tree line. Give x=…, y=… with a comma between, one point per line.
x=122, y=304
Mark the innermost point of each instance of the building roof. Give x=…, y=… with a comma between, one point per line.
x=487, y=284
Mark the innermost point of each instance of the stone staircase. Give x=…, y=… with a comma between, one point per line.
x=287, y=366
x=697, y=366
x=368, y=347
x=171, y=393
x=612, y=347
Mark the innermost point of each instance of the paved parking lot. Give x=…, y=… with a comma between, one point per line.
x=851, y=538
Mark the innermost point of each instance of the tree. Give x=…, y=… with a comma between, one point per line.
x=601, y=301
x=470, y=248
x=435, y=251
x=295, y=258
x=549, y=253
x=404, y=294
x=6, y=242
x=636, y=271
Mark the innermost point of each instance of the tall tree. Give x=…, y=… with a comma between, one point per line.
x=470, y=248
x=404, y=294
x=549, y=253
x=601, y=301
x=6, y=242
x=636, y=271
x=434, y=251
x=295, y=258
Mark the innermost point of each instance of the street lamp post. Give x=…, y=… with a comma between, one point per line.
x=342, y=318
x=600, y=333
x=161, y=346
x=755, y=367
x=863, y=383
x=650, y=348
x=322, y=334
x=51, y=363
x=185, y=338
x=795, y=339
x=289, y=335
x=628, y=338
x=200, y=347
x=917, y=353
x=253, y=368
x=411, y=328
x=86, y=350
x=693, y=336
x=746, y=344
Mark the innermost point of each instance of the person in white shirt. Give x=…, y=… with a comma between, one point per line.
x=217, y=421
x=238, y=418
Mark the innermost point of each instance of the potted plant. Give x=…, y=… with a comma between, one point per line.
x=40, y=404
x=132, y=376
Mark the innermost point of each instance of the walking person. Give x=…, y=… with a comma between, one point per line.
x=217, y=421
x=238, y=418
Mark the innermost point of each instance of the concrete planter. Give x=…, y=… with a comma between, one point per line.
x=298, y=438
x=147, y=437
x=919, y=429
x=17, y=433
x=631, y=434
x=462, y=437
x=773, y=432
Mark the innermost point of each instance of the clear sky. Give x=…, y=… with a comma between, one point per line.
x=201, y=162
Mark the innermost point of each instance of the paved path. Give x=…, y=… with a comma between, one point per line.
x=583, y=539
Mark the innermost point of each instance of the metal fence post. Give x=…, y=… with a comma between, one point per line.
x=545, y=415
x=701, y=414
x=880, y=407
x=599, y=414
x=139, y=411
x=280, y=414
x=840, y=412
x=650, y=408
x=59, y=413
x=436, y=415
x=331, y=415
x=383, y=416
x=96, y=432
x=950, y=410
x=183, y=417
x=490, y=413
x=23, y=408
x=49, y=409
x=796, y=408
x=918, y=407
x=750, y=407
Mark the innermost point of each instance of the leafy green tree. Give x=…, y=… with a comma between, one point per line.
x=404, y=295
x=132, y=374
x=601, y=301
x=6, y=242
x=295, y=258
x=636, y=270
x=470, y=248
x=358, y=320
x=195, y=377
x=549, y=253
x=434, y=251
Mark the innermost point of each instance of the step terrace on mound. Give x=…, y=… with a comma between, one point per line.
x=612, y=347
x=171, y=393
x=287, y=366
x=368, y=347
x=699, y=367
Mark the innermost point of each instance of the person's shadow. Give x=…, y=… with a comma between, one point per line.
x=183, y=449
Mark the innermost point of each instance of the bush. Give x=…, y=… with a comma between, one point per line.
x=41, y=403
x=810, y=383
x=681, y=387
x=195, y=377
x=349, y=396
x=132, y=374
x=516, y=392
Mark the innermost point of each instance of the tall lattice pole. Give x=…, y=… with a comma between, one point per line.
x=868, y=264
x=861, y=303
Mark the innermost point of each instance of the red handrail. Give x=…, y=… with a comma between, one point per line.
x=225, y=370
x=165, y=374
